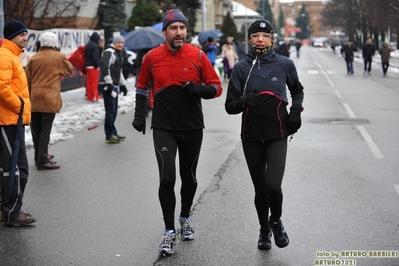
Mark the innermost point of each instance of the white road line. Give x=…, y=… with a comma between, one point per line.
x=370, y=142
x=338, y=94
x=349, y=110
x=366, y=136
x=324, y=73
x=397, y=188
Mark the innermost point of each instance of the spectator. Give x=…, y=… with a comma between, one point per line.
x=348, y=51
x=112, y=83
x=368, y=52
x=44, y=72
x=284, y=49
x=15, y=113
x=230, y=57
x=385, y=53
x=210, y=48
x=298, y=45
x=92, y=64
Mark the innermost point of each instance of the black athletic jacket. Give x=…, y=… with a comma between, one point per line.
x=270, y=76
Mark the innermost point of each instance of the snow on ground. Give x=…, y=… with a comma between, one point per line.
x=77, y=114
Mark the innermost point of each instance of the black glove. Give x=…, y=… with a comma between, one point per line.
x=123, y=89
x=250, y=100
x=191, y=87
x=294, y=119
x=139, y=114
x=109, y=88
x=203, y=91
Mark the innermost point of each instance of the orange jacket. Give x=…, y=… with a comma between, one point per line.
x=13, y=84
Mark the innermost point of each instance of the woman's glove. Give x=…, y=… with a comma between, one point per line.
x=250, y=100
x=294, y=119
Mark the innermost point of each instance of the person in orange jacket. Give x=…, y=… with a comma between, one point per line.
x=15, y=108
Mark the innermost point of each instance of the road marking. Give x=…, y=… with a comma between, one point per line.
x=397, y=188
x=349, y=110
x=324, y=73
x=313, y=72
x=338, y=94
x=370, y=142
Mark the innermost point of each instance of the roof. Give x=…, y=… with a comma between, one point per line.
x=239, y=10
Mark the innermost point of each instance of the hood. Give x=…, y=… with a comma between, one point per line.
x=95, y=37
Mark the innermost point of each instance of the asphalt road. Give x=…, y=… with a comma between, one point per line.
x=340, y=188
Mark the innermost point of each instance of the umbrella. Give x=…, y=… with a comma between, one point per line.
x=143, y=38
x=215, y=34
x=158, y=26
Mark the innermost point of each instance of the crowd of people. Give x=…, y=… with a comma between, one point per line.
x=177, y=76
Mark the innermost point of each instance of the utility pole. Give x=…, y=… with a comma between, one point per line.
x=246, y=28
x=203, y=8
x=2, y=8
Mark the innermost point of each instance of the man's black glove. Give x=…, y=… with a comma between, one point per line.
x=203, y=91
x=191, y=87
x=294, y=119
x=139, y=114
x=123, y=89
x=250, y=100
x=109, y=88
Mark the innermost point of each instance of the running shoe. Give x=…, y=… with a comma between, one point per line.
x=280, y=235
x=187, y=230
x=265, y=239
x=112, y=139
x=168, y=242
x=120, y=137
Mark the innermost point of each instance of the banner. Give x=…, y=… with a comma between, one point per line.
x=68, y=39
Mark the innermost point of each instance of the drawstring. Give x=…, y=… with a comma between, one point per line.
x=244, y=94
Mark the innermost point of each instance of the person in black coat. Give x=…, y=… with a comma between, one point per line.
x=258, y=90
x=92, y=64
x=368, y=52
x=347, y=51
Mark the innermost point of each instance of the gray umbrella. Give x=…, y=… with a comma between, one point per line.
x=143, y=38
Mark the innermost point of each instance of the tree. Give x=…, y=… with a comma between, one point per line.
x=366, y=16
x=302, y=21
x=144, y=14
x=228, y=27
x=42, y=14
x=111, y=15
x=281, y=22
x=265, y=10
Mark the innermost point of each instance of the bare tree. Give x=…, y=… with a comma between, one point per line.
x=372, y=18
x=41, y=14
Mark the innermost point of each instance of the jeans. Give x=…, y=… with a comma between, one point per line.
x=385, y=66
x=111, y=110
x=349, y=66
x=367, y=64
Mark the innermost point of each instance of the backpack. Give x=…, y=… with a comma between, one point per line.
x=77, y=59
